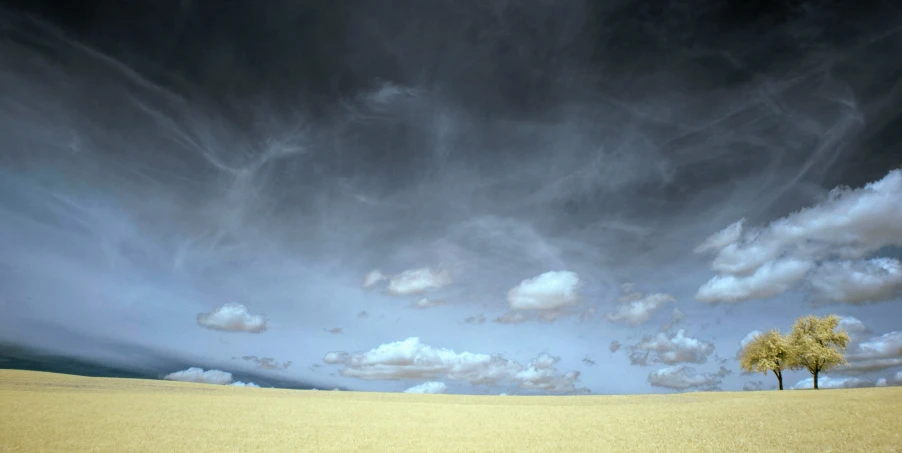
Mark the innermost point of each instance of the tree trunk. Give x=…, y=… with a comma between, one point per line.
x=779, y=376
x=815, y=380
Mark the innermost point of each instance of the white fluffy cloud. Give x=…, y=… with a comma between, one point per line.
x=549, y=291
x=428, y=387
x=827, y=382
x=682, y=377
x=541, y=374
x=853, y=326
x=872, y=354
x=636, y=308
x=674, y=348
x=232, y=317
x=412, y=360
x=875, y=354
x=771, y=279
x=244, y=384
x=417, y=281
x=545, y=298
x=848, y=225
x=198, y=375
x=858, y=282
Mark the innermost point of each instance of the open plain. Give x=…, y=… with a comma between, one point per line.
x=62, y=413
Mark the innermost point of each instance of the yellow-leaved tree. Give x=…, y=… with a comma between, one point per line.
x=768, y=351
x=816, y=345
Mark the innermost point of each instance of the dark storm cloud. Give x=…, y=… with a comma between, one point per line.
x=167, y=157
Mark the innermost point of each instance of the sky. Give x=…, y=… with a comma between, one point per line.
x=451, y=197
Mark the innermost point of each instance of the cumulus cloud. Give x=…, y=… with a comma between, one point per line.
x=853, y=326
x=412, y=360
x=198, y=375
x=850, y=224
x=858, y=282
x=549, y=291
x=428, y=387
x=636, y=308
x=335, y=331
x=771, y=279
x=682, y=377
x=827, y=382
x=675, y=348
x=427, y=303
x=847, y=226
x=874, y=354
x=614, y=346
x=541, y=374
x=266, y=363
x=588, y=361
x=546, y=298
x=232, y=317
x=417, y=281
x=244, y=384
x=373, y=277
x=333, y=358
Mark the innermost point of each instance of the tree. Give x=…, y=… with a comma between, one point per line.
x=816, y=345
x=769, y=351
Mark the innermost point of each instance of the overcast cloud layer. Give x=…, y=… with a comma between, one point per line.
x=452, y=197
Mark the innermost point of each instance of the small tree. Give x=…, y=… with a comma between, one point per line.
x=769, y=351
x=816, y=345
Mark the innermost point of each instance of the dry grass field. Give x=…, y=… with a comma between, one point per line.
x=61, y=413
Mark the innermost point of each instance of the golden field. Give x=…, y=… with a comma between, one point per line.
x=61, y=413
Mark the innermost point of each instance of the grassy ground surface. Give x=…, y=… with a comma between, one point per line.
x=61, y=413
